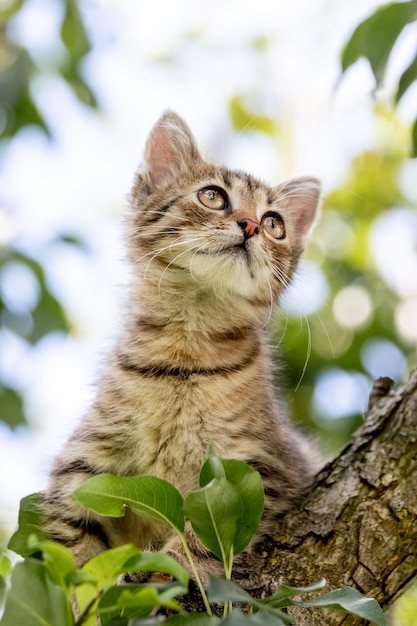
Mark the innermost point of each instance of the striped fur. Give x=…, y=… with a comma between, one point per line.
x=192, y=366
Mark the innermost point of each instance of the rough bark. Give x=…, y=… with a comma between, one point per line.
x=357, y=525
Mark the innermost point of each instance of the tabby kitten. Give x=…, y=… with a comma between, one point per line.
x=211, y=251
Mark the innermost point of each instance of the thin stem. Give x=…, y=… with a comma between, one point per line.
x=195, y=572
x=228, y=566
x=88, y=608
x=227, y=608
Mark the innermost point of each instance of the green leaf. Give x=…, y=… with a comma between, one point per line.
x=408, y=77
x=375, y=37
x=106, y=567
x=11, y=407
x=102, y=573
x=158, y=562
x=33, y=600
x=26, y=113
x=414, y=140
x=248, y=485
x=73, y=240
x=237, y=618
x=80, y=88
x=48, y=316
x=351, y=601
x=3, y=589
x=281, y=598
x=244, y=120
x=212, y=468
x=8, y=9
x=73, y=33
x=214, y=512
x=5, y=565
x=15, y=98
x=220, y=591
x=136, y=600
x=406, y=608
x=58, y=560
x=148, y=496
x=151, y=596
x=74, y=37
x=110, y=609
x=31, y=522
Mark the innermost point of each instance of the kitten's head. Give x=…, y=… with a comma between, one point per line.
x=197, y=226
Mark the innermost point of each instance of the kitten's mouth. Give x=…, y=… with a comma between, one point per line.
x=240, y=248
x=237, y=252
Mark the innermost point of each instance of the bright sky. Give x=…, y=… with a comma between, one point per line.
x=148, y=56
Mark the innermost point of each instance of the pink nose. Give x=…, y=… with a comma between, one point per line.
x=249, y=226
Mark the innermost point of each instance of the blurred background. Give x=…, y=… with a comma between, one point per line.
x=270, y=87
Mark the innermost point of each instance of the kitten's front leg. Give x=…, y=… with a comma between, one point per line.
x=83, y=532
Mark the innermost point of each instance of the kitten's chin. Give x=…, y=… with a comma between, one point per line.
x=231, y=273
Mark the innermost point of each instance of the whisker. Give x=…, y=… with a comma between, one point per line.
x=308, y=354
x=159, y=251
x=322, y=324
x=284, y=332
x=153, y=254
x=271, y=306
x=176, y=258
x=281, y=276
x=163, y=214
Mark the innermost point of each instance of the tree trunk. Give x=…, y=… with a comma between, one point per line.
x=357, y=525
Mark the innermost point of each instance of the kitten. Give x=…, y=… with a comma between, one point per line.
x=211, y=251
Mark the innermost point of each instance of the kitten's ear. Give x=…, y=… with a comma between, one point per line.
x=301, y=198
x=170, y=148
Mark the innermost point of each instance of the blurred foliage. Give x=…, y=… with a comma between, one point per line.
x=18, y=109
x=322, y=344
x=370, y=191
x=375, y=39
x=31, y=323
x=405, y=610
x=47, y=314
x=245, y=119
x=377, y=185
x=18, y=106
x=341, y=249
x=326, y=343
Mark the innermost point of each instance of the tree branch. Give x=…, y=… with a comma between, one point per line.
x=357, y=525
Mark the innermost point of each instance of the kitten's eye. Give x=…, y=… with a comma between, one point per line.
x=274, y=225
x=213, y=198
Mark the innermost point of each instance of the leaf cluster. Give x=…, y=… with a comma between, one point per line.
x=30, y=322
x=47, y=589
x=18, y=107
x=375, y=38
